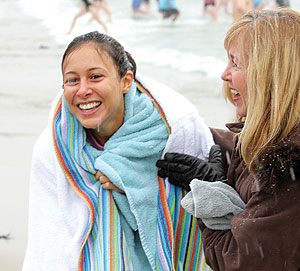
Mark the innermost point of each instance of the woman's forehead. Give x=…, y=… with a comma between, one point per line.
x=88, y=51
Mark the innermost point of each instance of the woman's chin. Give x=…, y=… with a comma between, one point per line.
x=90, y=124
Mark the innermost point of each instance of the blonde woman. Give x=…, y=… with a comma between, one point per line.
x=262, y=80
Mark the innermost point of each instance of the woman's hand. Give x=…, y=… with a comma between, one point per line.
x=182, y=168
x=106, y=183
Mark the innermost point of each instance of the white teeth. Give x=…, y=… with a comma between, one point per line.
x=88, y=106
x=233, y=91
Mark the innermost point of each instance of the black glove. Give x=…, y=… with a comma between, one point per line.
x=182, y=168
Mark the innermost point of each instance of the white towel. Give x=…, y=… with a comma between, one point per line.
x=58, y=217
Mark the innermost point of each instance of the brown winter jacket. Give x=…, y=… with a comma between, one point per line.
x=266, y=235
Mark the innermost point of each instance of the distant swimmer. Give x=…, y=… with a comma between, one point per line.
x=259, y=4
x=210, y=6
x=102, y=4
x=168, y=9
x=281, y=3
x=141, y=6
x=224, y=4
x=91, y=8
x=240, y=7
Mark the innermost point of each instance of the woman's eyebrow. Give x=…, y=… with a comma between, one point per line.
x=91, y=69
x=96, y=68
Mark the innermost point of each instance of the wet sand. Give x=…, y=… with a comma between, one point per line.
x=29, y=80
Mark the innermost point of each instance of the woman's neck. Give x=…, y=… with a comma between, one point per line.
x=102, y=134
x=100, y=138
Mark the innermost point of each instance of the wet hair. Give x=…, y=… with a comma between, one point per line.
x=122, y=59
x=269, y=41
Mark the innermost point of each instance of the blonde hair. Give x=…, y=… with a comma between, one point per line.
x=270, y=42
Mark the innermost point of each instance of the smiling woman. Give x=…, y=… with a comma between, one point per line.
x=96, y=201
x=235, y=75
x=94, y=91
x=262, y=79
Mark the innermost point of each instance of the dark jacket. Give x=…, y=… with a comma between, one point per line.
x=266, y=235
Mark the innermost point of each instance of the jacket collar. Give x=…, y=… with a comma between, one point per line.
x=235, y=127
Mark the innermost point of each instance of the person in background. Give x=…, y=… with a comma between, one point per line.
x=102, y=4
x=262, y=80
x=224, y=4
x=168, y=9
x=210, y=7
x=281, y=3
x=240, y=7
x=141, y=6
x=259, y=4
x=96, y=201
x=87, y=8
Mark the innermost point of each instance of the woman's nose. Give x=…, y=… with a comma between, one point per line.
x=84, y=89
x=226, y=74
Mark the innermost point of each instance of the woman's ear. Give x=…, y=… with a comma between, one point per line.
x=127, y=81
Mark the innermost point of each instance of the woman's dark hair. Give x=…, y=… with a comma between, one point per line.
x=122, y=59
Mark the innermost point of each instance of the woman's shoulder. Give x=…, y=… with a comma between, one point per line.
x=281, y=161
x=43, y=141
x=189, y=132
x=173, y=103
x=43, y=150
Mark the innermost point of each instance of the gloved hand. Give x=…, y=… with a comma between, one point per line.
x=182, y=168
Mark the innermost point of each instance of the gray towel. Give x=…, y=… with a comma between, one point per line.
x=214, y=202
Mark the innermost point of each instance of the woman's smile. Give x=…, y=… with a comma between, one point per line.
x=235, y=75
x=88, y=106
x=236, y=95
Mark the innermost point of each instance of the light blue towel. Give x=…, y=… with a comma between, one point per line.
x=128, y=160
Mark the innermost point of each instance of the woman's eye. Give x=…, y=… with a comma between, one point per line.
x=96, y=76
x=71, y=81
x=233, y=63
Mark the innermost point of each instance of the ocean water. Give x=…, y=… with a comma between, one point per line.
x=187, y=55
x=191, y=48
x=193, y=44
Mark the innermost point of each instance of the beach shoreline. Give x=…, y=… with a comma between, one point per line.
x=28, y=68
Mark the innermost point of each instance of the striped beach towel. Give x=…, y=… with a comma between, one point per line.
x=104, y=246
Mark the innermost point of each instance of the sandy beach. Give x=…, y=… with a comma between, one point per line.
x=30, y=79
x=26, y=71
